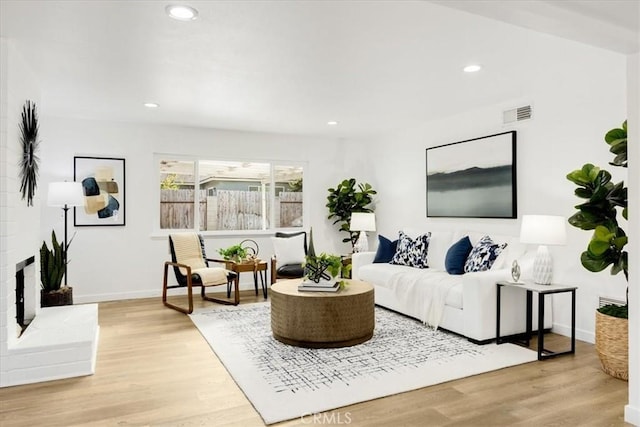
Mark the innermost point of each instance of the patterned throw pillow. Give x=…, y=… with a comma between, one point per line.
x=412, y=252
x=483, y=255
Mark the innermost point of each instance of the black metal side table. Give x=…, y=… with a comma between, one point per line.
x=541, y=290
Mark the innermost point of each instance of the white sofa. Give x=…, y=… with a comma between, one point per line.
x=470, y=303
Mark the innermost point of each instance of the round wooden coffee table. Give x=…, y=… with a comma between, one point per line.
x=322, y=319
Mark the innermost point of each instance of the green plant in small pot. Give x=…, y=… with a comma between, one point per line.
x=346, y=199
x=52, y=270
x=235, y=253
x=604, y=200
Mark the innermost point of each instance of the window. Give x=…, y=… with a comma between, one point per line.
x=229, y=195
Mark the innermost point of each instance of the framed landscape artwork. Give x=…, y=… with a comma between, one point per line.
x=475, y=178
x=103, y=184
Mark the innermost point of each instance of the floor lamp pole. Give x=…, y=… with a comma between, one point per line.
x=66, y=209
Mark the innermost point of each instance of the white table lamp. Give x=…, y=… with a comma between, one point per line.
x=362, y=222
x=64, y=195
x=543, y=230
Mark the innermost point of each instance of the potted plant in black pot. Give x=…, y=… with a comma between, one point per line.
x=52, y=270
x=345, y=199
x=604, y=200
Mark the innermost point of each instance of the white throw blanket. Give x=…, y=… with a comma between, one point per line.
x=424, y=293
x=188, y=251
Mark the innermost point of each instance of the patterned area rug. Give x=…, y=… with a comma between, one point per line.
x=284, y=382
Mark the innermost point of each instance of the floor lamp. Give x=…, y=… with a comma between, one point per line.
x=362, y=222
x=64, y=195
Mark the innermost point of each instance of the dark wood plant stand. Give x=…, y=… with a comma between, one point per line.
x=63, y=296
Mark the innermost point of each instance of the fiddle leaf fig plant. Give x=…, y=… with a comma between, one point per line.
x=604, y=199
x=345, y=199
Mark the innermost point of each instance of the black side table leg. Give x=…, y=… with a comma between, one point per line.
x=255, y=280
x=263, y=283
x=540, y=325
x=499, y=287
x=529, y=321
x=573, y=321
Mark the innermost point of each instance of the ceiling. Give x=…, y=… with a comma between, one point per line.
x=291, y=66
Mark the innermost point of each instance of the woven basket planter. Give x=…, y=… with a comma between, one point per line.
x=612, y=345
x=63, y=296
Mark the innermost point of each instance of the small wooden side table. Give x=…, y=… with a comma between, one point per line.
x=346, y=261
x=541, y=290
x=257, y=267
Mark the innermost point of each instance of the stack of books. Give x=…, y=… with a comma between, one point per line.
x=319, y=287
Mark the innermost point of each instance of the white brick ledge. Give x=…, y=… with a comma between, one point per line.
x=61, y=342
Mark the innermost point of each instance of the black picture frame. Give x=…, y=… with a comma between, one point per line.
x=104, y=186
x=474, y=178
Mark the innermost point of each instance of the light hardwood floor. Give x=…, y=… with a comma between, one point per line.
x=154, y=368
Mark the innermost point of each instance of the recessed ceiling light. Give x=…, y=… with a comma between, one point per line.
x=181, y=12
x=151, y=105
x=472, y=68
x=332, y=123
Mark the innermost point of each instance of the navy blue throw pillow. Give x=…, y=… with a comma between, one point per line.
x=457, y=255
x=386, y=249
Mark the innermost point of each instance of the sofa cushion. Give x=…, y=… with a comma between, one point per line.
x=289, y=250
x=292, y=271
x=380, y=276
x=457, y=256
x=483, y=255
x=386, y=250
x=412, y=252
x=439, y=244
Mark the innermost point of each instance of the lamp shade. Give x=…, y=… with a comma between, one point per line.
x=63, y=194
x=362, y=221
x=543, y=230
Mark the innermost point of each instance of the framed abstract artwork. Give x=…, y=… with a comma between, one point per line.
x=103, y=184
x=475, y=178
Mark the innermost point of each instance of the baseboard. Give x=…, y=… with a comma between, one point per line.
x=632, y=415
x=150, y=293
x=581, y=334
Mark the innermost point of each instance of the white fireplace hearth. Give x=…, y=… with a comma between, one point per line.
x=60, y=342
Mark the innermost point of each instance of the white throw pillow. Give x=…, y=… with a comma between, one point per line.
x=289, y=250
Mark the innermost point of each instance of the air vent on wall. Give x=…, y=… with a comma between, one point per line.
x=602, y=301
x=517, y=114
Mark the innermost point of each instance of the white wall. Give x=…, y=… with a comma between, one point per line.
x=19, y=224
x=632, y=410
x=578, y=94
x=108, y=263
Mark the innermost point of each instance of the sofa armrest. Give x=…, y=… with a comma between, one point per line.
x=359, y=259
x=479, y=302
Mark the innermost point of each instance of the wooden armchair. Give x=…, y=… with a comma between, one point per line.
x=191, y=268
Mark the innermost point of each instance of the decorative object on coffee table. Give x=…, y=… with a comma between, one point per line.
x=323, y=269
